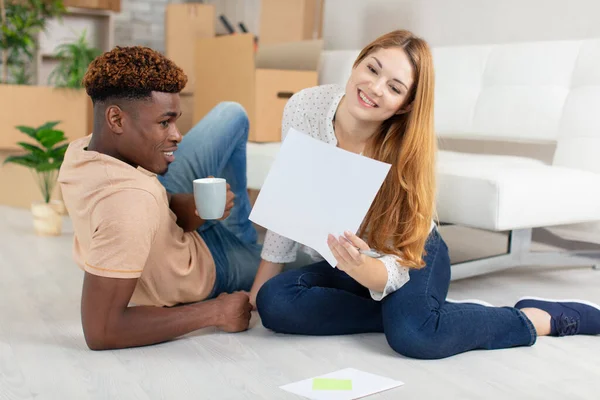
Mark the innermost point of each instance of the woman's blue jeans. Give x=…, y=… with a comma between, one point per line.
x=417, y=320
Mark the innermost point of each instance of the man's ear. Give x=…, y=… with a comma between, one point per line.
x=405, y=109
x=114, y=118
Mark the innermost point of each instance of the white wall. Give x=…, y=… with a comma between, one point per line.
x=350, y=24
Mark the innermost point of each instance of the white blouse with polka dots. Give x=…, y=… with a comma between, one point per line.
x=311, y=111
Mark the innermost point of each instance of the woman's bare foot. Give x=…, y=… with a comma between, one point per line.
x=540, y=320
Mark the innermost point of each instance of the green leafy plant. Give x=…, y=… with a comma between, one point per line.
x=45, y=158
x=74, y=59
x=20, y=23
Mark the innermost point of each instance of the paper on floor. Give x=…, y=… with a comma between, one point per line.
x=362, y=384
x=314, y=189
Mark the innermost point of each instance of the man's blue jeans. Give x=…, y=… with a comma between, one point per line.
x=217, y=146
x=417, y=320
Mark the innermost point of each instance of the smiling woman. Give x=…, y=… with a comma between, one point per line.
x=384, y=112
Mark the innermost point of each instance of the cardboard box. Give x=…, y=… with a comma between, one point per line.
x=290, y=21
x=184, y=23
x=262, y=83
x=36, y=105
x=187, y=120
x=112, y=5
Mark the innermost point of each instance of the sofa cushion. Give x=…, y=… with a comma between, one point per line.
x=260, y=157
x=505, y=192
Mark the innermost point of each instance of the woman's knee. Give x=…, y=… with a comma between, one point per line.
x=417, y=344
x=274, y=303
x=412, y=331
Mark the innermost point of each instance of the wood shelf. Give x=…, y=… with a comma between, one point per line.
x=112, y=5
x=99, y=27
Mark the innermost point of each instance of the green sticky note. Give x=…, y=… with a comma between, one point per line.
x=331, y=384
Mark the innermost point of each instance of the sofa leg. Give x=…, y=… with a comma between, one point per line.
x=519, y=254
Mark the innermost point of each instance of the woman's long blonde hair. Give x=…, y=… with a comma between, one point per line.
x=399, y=219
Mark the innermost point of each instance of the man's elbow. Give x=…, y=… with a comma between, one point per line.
x=98, y=340
x=96, y=346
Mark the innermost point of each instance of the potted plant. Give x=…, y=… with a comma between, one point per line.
x=73, y=61
x=45, y=159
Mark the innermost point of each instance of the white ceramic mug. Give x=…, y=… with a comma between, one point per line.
x=210, y=195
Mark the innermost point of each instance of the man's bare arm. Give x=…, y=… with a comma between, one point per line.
x=108, y=322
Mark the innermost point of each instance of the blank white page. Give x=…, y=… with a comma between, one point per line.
x=314, y=189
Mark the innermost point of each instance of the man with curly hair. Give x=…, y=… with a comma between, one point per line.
x=128, y=189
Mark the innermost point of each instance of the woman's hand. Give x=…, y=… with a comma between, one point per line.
x=346, y=251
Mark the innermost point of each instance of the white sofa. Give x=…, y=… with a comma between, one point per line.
x=541, y=92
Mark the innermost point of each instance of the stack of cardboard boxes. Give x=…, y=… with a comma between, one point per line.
x=231, y=68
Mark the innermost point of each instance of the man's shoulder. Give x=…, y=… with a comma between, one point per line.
x=125, y=195
x=127, y=203
x=98, y=185
x=126, y=215
x=88, y=172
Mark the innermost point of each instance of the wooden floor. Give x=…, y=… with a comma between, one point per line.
x=43, y=354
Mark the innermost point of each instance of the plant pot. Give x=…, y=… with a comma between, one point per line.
x=47, y=221
x=59, y=206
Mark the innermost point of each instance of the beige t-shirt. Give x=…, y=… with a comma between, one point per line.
x=124, y=228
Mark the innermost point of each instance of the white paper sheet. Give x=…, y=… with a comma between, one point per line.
x=314, y=189
x=363, y=384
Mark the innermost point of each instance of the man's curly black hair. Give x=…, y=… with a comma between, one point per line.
x=132, y=73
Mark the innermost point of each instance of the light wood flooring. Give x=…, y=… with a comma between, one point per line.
x=43, y=354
